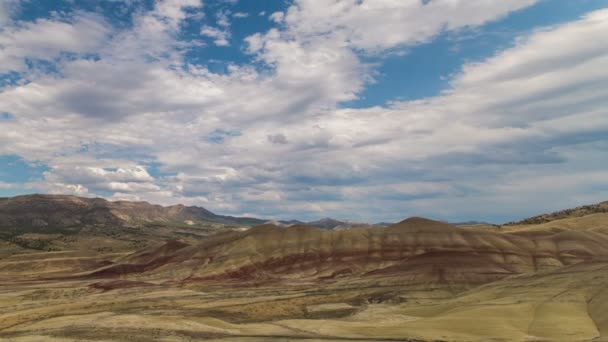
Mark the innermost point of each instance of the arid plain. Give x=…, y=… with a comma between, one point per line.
x=79, y=270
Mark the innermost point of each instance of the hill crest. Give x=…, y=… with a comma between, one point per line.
x=581, y=211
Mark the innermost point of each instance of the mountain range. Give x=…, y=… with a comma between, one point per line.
x=62, y=211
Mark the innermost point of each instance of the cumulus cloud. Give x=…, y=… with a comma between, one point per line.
x=93, y=176
x=277, y=142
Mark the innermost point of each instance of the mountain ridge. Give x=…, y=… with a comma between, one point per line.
x=41, y=210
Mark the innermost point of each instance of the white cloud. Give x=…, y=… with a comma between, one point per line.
x=277, y=17
x=91, y=174
x=87, y=175
x=46, y=39
x=223, y=18
x=240, y=15
x=64, y=189
x=220, y=37
x=5, y=186
x=376, y=25
x=173, y=11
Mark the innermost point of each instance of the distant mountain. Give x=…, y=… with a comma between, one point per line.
x=329, y=223
x=326, y=223
x=62, y=211
x=288, y=223
x=563, y=214
x=67, y=223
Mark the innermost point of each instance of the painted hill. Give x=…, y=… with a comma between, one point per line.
x=416, y=251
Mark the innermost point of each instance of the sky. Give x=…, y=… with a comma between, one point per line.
x=368, y=110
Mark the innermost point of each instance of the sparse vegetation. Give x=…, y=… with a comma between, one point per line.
x=563, y=214
x=37, y=244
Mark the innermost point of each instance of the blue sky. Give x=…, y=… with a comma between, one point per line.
x=365, y=110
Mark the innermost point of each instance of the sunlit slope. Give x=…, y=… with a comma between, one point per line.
x=568, y=304
x=51, y=264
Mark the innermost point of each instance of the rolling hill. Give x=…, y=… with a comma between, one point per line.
x=415, y=252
